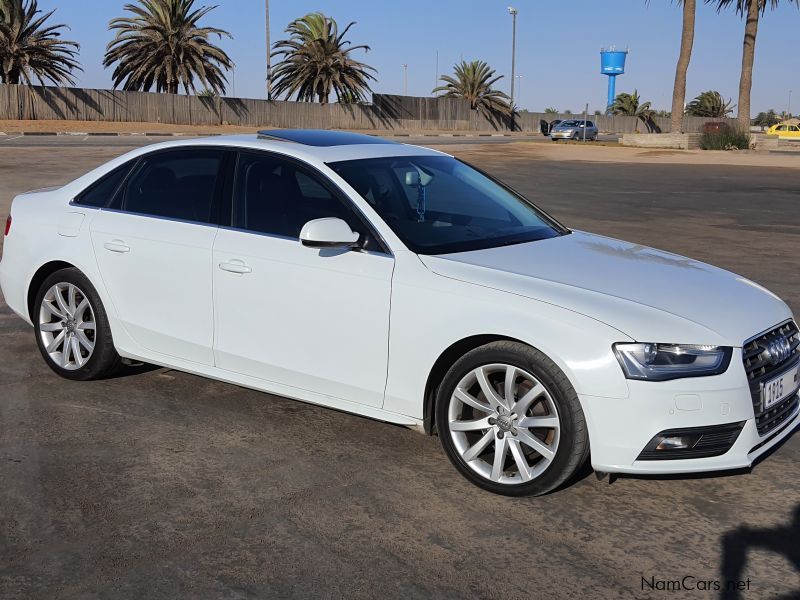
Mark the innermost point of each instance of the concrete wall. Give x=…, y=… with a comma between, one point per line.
x=680, y=141
x=19, y=102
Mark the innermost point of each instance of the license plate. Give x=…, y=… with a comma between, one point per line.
x=781, y=387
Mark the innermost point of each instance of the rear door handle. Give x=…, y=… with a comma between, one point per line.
x=235, y=266
x=117, y=246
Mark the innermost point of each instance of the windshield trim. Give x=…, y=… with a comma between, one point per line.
x=481, y=244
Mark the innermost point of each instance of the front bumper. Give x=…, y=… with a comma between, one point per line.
x=619, y=429
x=562, y=135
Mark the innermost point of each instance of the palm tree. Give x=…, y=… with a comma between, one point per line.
x=30, y=49
x=630, y=105
x=709, y=104
x=767, y=119
x=751, y=10
x=679, y=89
x=163, y=45
x=473, y=81
x=551, y=110
x=316, y=62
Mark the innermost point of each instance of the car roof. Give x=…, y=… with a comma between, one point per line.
x=327, y=146
x=287, y=142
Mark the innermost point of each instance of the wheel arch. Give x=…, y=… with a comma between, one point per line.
x=38, y=278
x=446, y=360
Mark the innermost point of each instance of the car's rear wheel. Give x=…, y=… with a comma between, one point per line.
x=510, y=421
x=72, y=330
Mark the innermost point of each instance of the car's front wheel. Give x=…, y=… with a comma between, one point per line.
x=72, y=330
x=510, y=421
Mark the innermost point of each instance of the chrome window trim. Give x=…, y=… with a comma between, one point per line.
x=159, y=217
x=287, y=238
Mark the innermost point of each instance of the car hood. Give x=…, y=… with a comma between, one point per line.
x=647, y=294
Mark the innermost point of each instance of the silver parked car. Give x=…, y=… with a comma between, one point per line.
x=572, y=129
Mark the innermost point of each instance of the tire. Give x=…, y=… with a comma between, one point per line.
x=68, y=307
x=550, y=419
x=576, y=137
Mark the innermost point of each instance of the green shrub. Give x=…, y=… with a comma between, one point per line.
x=725, y=138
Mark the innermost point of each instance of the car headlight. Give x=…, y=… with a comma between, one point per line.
x=661, y=362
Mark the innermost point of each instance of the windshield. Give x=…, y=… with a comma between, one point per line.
x=570, y=123
x=438, y=205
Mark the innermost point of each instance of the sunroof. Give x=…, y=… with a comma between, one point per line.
x=323, y=137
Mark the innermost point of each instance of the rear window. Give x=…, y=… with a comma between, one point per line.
x=100, y=193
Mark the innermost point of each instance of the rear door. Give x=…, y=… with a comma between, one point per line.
x=153, y=248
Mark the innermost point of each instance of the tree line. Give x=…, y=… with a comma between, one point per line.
x=161, y=45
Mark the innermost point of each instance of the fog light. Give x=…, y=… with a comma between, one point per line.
x=676, y=442
x=692, y=442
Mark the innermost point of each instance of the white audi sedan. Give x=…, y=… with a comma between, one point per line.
x=399, y=283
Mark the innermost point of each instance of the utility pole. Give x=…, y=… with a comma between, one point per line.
x=405, y=79
x=269, y=57
x=513, y=12
x=518, y=94
x=436, y=80
x=789, y=107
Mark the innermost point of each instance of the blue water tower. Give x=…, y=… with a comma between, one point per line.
x=612, y=63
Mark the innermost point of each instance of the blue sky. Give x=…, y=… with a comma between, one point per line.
x=558, y=45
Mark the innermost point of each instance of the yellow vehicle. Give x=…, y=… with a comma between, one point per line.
x=785, y=131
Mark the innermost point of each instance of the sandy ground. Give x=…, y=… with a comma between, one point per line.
x=619, y=154
x=158, y=484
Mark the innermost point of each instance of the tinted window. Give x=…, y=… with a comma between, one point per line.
x=102, y=191
x=277, y=197
x=437, y=204
x=179, y=184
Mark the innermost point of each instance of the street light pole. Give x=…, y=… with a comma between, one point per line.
x=269, y=57
x=405, y=79
x=789, y=107
x=519, y=88
x=513, y=12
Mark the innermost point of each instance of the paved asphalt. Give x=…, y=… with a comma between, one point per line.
x=158, y=484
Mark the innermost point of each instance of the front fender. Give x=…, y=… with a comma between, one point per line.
x=430, y=313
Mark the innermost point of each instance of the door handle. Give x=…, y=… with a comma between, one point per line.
x=235, y=266
x=117, y=246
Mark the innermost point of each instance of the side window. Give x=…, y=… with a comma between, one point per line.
x=100, y=193
x=590, y=123
x=178, y=184
x=276, y=197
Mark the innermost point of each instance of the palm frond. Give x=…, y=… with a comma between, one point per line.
x=32, y=50
x=315, y=62
x=473, y=81
x=163, y=45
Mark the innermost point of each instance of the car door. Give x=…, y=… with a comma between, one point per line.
x=314, y=319
x=153, y=248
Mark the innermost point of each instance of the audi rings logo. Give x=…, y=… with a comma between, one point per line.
x=778, y=350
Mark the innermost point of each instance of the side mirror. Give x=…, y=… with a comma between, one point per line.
x=329, y=232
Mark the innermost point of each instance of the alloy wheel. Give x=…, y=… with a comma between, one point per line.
x=504, y=424
x=67, y=326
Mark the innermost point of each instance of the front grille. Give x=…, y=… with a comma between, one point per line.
x=772, y=418
x=760, y=364
x=757, y=360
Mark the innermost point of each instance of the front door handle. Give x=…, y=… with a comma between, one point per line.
x=117, y=246
x=235, y=266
